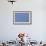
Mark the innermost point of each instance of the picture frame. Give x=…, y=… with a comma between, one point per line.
x=22, y=17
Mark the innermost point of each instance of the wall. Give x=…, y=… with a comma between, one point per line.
x=9, y=31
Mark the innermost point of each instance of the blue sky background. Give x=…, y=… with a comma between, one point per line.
x=22, y=17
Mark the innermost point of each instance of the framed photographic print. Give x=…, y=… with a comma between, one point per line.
x=22, y=17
